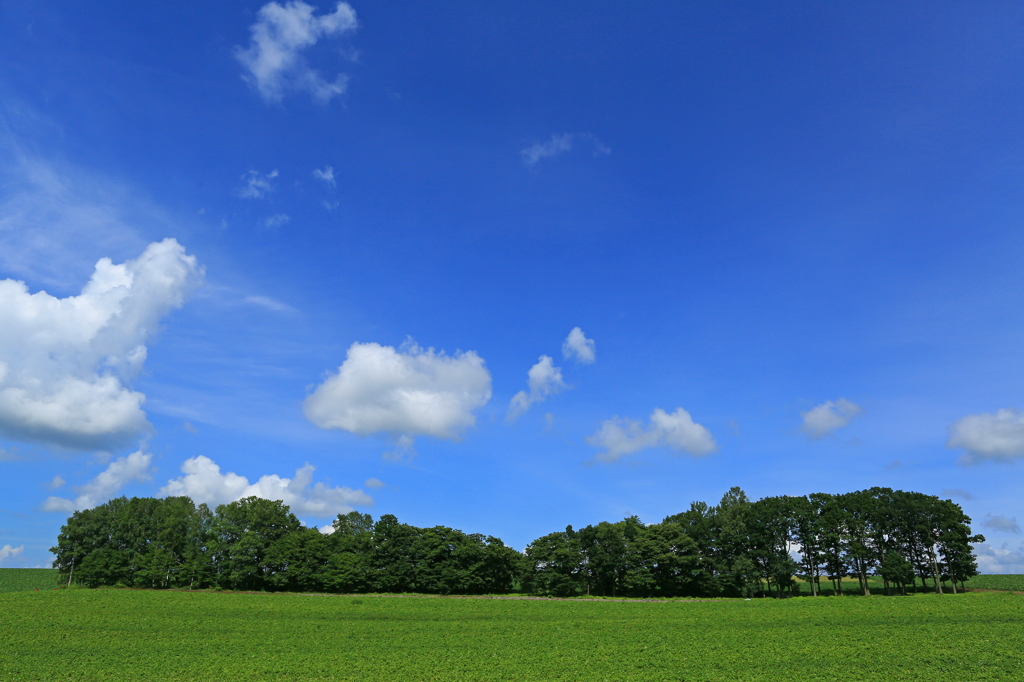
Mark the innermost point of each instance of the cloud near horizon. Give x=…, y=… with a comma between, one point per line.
x=274, y=62
x=203, y=482
x=10, y=552
x=119, y=473
x=619, y=437
x=403, y=393
x=66, y=363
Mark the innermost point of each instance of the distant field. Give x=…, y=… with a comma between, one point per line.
x=997, y=582
x=20, y=579
x=128, y=634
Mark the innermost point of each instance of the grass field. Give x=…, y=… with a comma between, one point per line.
x=21, y=579
x=125, y=634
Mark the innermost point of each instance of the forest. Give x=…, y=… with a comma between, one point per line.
x=736, y=548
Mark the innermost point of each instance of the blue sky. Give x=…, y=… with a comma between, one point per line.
x=508, y=268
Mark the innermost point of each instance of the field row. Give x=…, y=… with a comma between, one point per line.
x=130, y=634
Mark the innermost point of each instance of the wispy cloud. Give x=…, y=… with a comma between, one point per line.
x=276, y=221
x=269, y=304
x=256, y=185
x=326, y=175
x=561, y=143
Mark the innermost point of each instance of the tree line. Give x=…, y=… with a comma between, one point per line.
x=737, y=548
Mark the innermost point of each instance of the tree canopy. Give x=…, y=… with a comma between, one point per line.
x=736, y=548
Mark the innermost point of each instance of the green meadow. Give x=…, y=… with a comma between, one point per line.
x=113, y=634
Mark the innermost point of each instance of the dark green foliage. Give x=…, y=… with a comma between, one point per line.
x=738, y=548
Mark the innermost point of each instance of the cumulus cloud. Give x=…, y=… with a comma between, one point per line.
x=204, y=482
x=256, y=185
x=958, y=492
x=327, y=175
x=825, y=418
x=65, y=363
x=619, y=437
x=998, y=436
x=57, y=482
x=1001, y=523
x=273, y=61
x=543, y=379
x=999, y=559
x=578, y=346
x=119, y=473
x=405, y=393
x=559, y=144
x=374, y=483
x=9, y=552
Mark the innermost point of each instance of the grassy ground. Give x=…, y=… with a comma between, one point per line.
x=126, y=634
x=22, y=579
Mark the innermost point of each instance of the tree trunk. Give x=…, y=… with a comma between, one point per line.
x=935, y=571
x=864, y=577
x=72, y=574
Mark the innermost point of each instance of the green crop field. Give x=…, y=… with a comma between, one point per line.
x=21, y=579
x=126, y=634
x=996, y=582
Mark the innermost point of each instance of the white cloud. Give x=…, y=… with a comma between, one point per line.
x=958, y=492
x=578, y=346
x=405, y=392
x=256, y=185
x=374, y=483
x=998, y=436
x=9, y=552
x=270, y=304
x=203, y=482
x=120, y=472
x=1001, y=523
x=543, y=379
x=275, y=221
x=65, y=362
x=188, y=427
x=999, y=560
x=327, y=175
x=273, y=61
x=57, y=482
x=559, y=144
x=827, y=417
x=619, y=437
